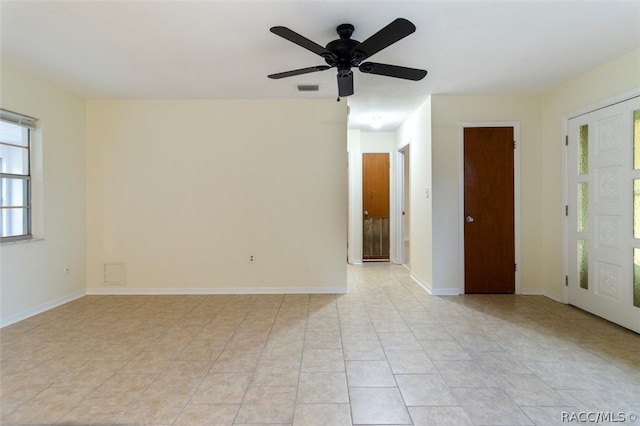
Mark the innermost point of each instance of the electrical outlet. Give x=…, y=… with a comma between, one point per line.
x=67, y=270
x=252, y=258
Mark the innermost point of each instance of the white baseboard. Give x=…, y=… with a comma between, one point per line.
x=222, y=290
x=554, y=297
x=533, y=292
x=12, y=319
x=454, y=291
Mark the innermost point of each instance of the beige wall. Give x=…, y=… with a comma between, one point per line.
x=416, y=132
x=32, y=275
x=448, y=111
x=182, y=192
x=610, y=80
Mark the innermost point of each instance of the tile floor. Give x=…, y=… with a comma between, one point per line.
x=386, y=353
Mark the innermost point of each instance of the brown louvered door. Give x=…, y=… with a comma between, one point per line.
x=375, y=203
x=489, y=228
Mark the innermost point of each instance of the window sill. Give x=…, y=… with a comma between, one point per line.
x=28, y=240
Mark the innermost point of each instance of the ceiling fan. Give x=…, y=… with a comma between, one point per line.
x=346, y=53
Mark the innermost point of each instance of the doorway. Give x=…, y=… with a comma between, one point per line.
x=603, y=212
x=406, y=217
x=489, y=209
x=375, y=203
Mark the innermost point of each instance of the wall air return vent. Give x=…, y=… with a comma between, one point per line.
x=308, y=87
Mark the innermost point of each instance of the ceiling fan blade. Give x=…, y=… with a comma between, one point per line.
x=299, y=72
x=393, y=71
x=302, y=41
x=345, y=84
x=395, y=31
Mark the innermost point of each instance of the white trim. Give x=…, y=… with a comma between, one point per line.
x=452, y=291
x=601, y=104
x=399, y=206
x=12, y=319
x=554, y=297
x=220, y=290
x=354, y=251
x=426, y=286
x=565, y=158
x=516, y=196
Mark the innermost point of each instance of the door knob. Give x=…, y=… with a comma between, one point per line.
x=366, y=213
x=469, y=219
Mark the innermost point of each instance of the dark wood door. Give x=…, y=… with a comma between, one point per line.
x=489, y=228
x=375, y=203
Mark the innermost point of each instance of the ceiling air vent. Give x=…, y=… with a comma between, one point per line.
x=308, y=87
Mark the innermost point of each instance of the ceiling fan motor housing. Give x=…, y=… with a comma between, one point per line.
x=342, y=49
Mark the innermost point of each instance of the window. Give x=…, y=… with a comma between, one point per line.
x=15, y=176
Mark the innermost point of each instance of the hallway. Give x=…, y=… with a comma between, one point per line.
x=386, y=353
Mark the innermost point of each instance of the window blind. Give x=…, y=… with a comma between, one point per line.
x=19, y=119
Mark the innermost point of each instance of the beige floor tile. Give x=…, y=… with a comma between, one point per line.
x=147, y=362
x=490, y=406
x=248, y=341
x=236, y=361
x=201, y=350
x=430, y=332
x=399, y=341
x=425, y=390
x=369, y=374
x=551, y=416
x=322, y=415
x=289, y=350
x=322, y=388
x=410, y=362
x=322, y=360
x=363, y=350
x=92, y=415
x=207, y=414
x=444, y=350
x=561, y=375
x=205, y=359
x=464, y=374
x=316, y=324
x=358, y=331
x=439, y=416
x=157, y=405
x=48, y=406
x=267, y=405
x=528, y=390
x=279, y=372
x=322, y=340
x=378, y=406
x=390, y=325
x=183, y=374
x=120, y=389
x=222, y=388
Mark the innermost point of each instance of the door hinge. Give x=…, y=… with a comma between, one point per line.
x=566, y=210
x=515, y=267
x=514, y=144
x=566, y=280
x=566, y=140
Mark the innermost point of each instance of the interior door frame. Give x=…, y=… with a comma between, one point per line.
x=398, y=206
x=516, y=196
x=604, y=103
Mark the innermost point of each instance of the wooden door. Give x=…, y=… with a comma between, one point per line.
x=489, y=228
x=375, y=203
x=603, y=236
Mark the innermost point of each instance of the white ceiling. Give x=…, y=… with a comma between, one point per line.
x=223, y=48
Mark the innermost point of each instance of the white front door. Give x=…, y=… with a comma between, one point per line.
x=604, y=210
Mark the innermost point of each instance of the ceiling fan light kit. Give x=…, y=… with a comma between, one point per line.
x=346, y=53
